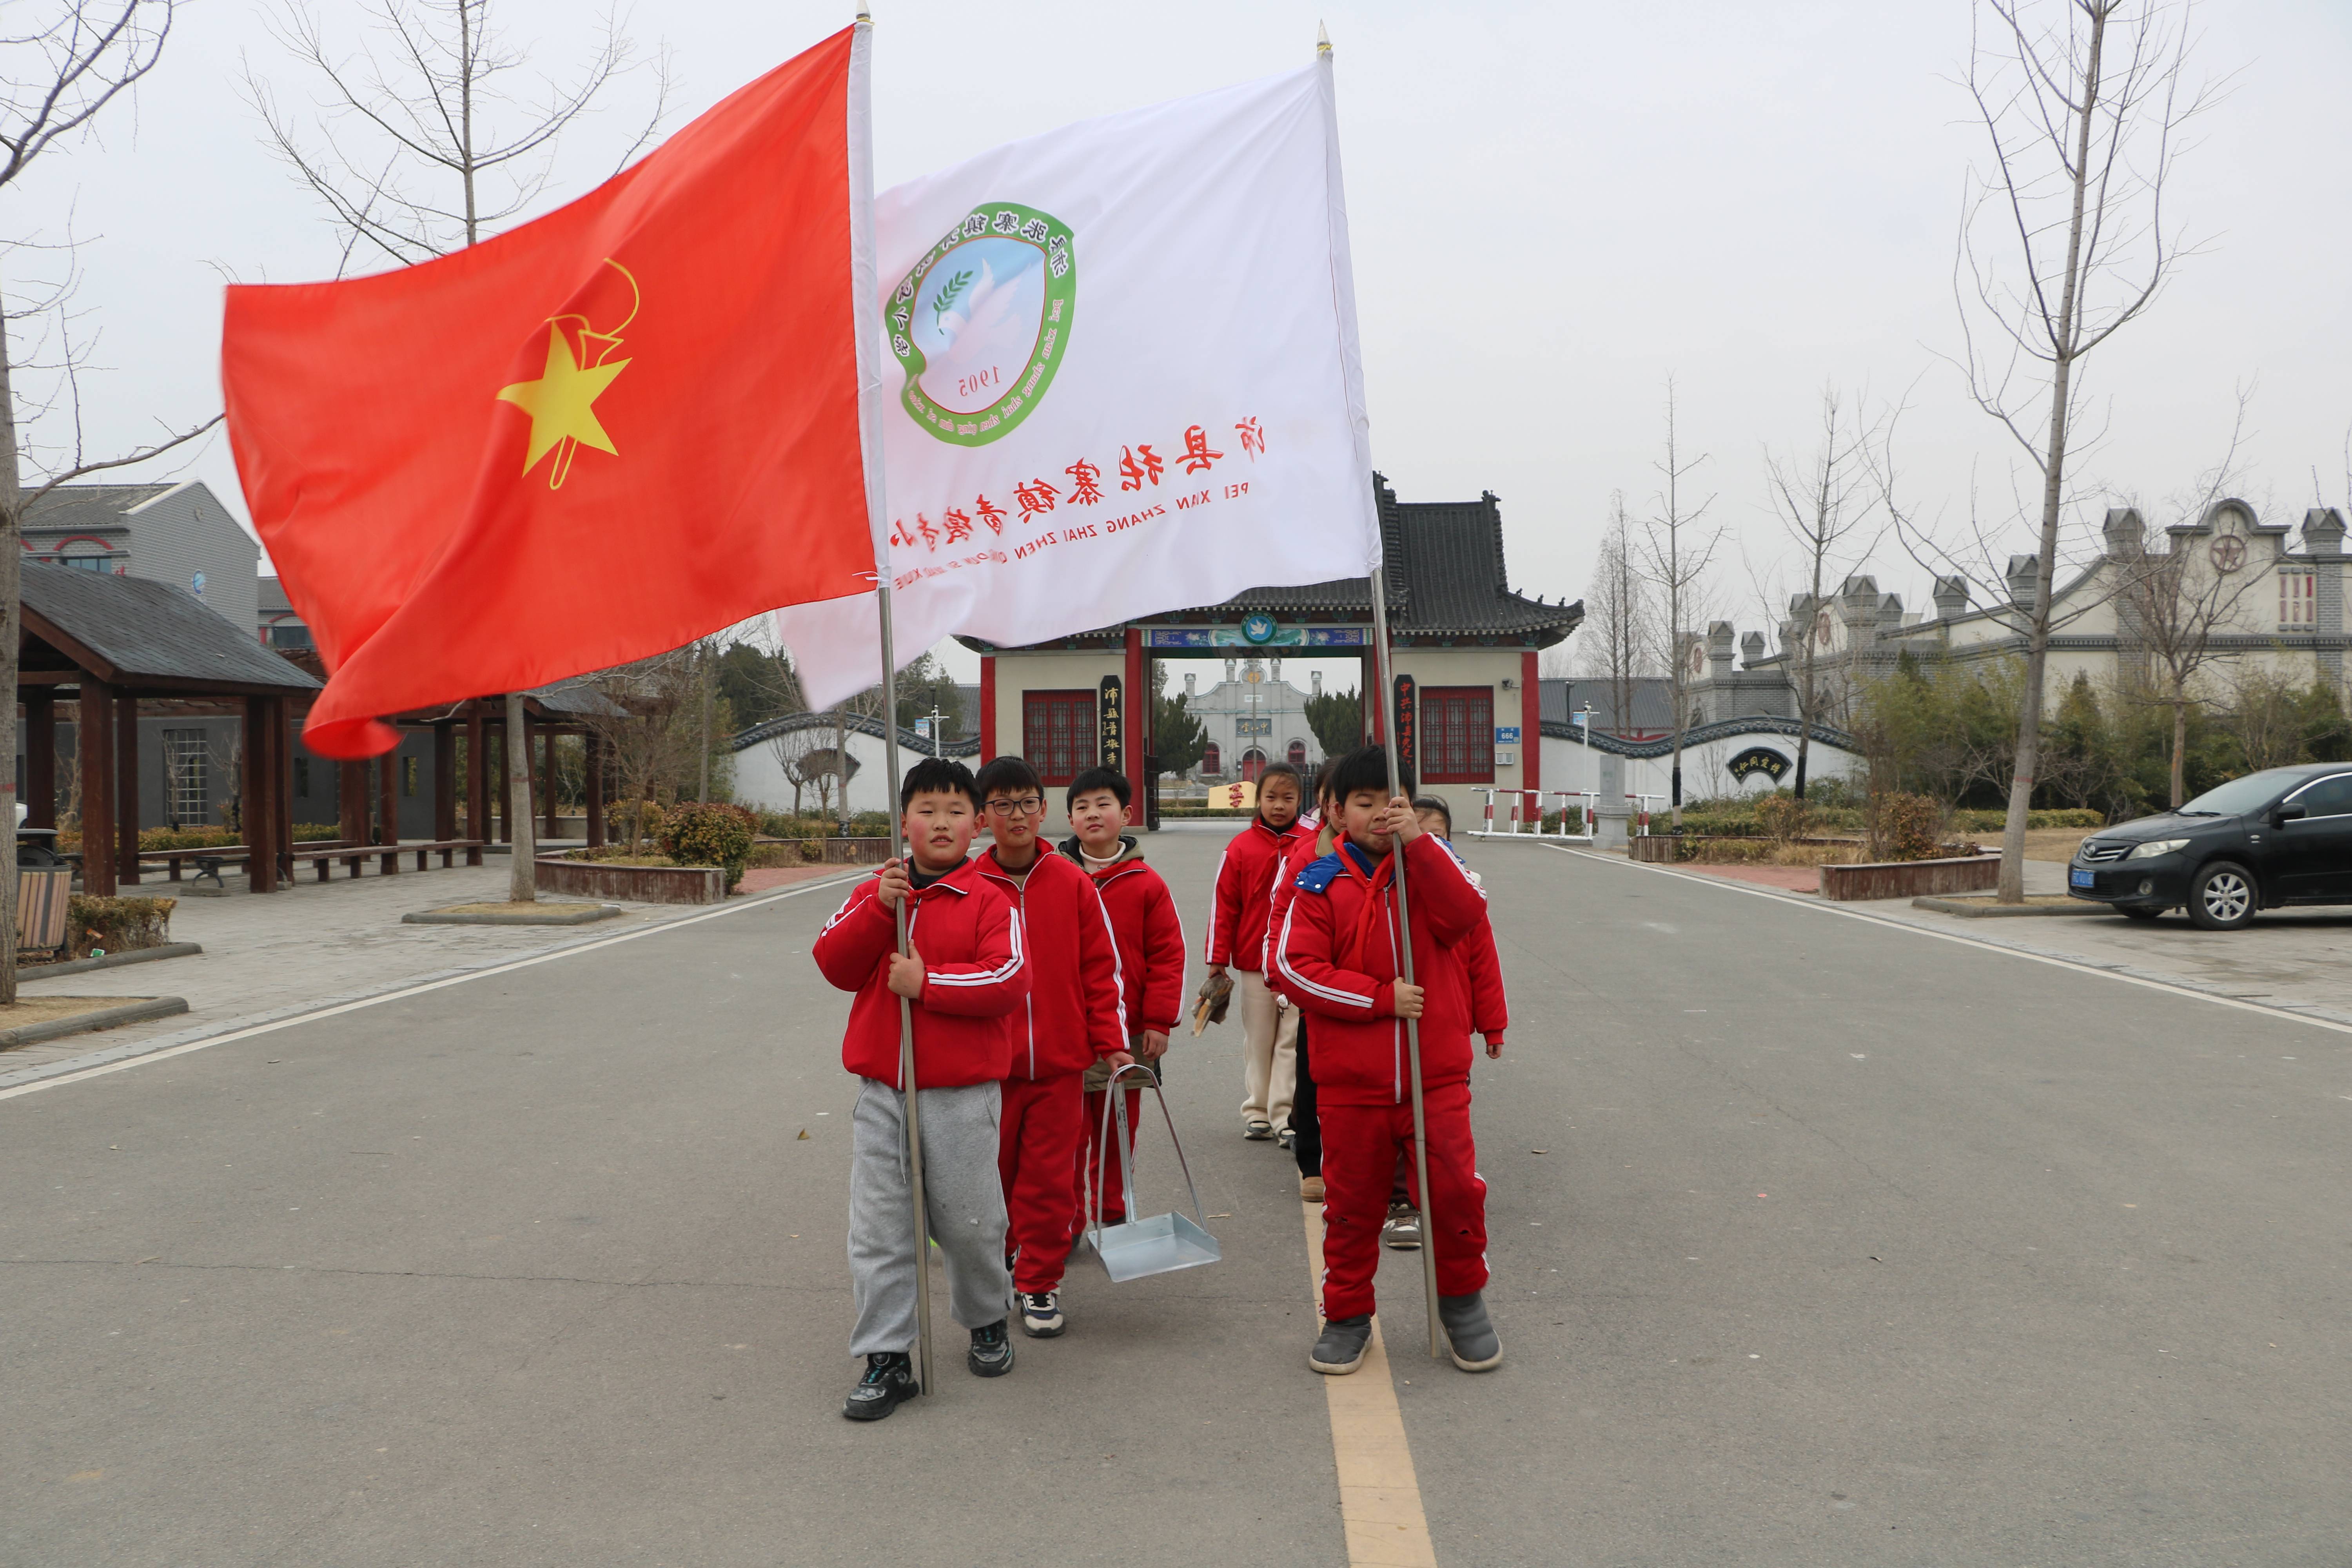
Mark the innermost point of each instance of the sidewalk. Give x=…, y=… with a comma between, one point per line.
x=2294, y=959
x=318, y=943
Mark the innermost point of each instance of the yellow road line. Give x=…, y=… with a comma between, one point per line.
x=1379, y=1496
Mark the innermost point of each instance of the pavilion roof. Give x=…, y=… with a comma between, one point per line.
x=138, y=633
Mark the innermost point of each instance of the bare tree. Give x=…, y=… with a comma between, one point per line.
x=1820, y=502
x=1675, y=554
x=1617, y=615
x=649, y=727
x=433, y=109
x=58, y=69
x=808, y=764
x=2083, y=103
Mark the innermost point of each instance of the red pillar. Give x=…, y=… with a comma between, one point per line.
x=126, y=788
x=256, y=809
x=987, y=708
x=1131, y=725
x=444, y=780
x=351, y=802
x=478, y=784
x=1530, y=722
x=94, y=757
x=387, y=773
x=41, y=757
x=594, y=779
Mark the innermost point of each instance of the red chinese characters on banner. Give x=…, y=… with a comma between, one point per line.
x=1197, y=459
x=1132, y=474
x=1139, y=465
x=1036, y=498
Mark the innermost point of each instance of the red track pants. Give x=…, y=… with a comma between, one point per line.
x=1038, y=1156
x=1359, y=1157
x=1099, y=1160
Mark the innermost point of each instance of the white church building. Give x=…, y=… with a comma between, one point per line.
x=1253, y=717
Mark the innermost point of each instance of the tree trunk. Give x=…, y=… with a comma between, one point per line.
x=11, y=581
x=2011, y=889
x=702, y=785
x=2179, y=741
x=523, y=886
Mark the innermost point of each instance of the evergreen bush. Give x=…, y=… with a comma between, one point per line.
x=699, y=834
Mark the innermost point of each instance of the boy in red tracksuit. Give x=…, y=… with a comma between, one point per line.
x=966, y=981
x=1076, y=1017
x=1237, y=938
x=1312, y=842
x=1338, y=951
x=1150, y=942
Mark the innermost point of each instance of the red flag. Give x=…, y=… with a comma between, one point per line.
x=591, y=439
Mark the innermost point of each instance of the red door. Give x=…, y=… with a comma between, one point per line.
x=1058, y=734
x=1457, y=734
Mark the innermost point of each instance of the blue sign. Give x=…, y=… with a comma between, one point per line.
x=1256, y=631
x=1507, y=734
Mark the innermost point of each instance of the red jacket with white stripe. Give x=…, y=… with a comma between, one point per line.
x=1301, y=853
x=1340, y=962
x=1076, y=1011
x=1245, y=876
x=975, y=980
x=1150, y=936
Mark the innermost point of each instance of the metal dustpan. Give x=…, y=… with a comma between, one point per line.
x=1162, y=1243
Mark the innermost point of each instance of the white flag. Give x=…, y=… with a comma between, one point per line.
x=1121, y=378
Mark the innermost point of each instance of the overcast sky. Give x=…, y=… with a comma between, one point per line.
x=1553, y=208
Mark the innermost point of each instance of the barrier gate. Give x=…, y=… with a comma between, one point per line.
x=1580, y=817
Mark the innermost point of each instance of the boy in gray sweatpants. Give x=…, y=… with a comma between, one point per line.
x=962, y=981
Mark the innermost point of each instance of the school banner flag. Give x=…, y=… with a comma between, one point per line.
x=1121, y=378
x=588, y=440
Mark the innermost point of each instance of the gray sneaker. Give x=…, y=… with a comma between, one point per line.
x=1402, y=1229
x=1469, y=1333
x=1340, y=1347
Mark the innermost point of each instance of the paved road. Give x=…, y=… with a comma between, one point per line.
x=1845, y=1246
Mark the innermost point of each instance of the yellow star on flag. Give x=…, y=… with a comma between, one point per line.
x=561, y=403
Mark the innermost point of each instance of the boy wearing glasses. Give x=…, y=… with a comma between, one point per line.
x=1237, y=913
x=1076, y=1017
x=967, y=980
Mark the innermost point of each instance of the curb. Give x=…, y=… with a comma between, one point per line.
x=1984, y=909
x=580, y=918
x=98, y=1018
x=20, y=1080
x=112, y=960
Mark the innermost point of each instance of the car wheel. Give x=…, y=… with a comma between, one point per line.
x=2222, y=897
x=2139, y=911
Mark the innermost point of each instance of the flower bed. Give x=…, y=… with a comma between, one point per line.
x=631, y=880
x=1910, y=878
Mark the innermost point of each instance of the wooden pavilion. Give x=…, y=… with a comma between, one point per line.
x=113, y=642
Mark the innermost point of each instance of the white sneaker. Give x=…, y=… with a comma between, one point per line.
x=1402, y=1229
x=1041, y=1314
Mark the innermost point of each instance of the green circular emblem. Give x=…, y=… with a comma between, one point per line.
x=1257, y=628
x=982, y=320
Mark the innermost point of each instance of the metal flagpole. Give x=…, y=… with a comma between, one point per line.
x=907, y=1022
x=1404, y=969
x=866, y=316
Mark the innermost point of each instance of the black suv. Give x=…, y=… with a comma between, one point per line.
x=2280, y=837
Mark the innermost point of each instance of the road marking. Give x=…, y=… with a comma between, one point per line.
x=417, y=990
x=1380, y=1495
x=2104, y=973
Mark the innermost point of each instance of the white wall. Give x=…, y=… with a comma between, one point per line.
x=760, y=779
x=1707, y=773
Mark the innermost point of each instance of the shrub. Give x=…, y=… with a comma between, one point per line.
x=184, y=837
x=1782, y=817
x=1994, y=821
x=696, y=833
x=1905, y=826
x=118, y=925
x=316, y=832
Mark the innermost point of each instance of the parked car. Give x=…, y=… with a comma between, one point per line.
x=2283, y=835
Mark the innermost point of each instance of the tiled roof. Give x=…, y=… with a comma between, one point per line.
x=1446, y=577
x=135, y=631
x=89, y=506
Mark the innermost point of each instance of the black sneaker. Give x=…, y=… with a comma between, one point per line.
x=1041, y=1314
x=1340, y=1347
x=992, y=1350
x=889, y=1381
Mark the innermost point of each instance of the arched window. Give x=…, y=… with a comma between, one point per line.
x=1297, y=753
x=1212, y=761
x=1253, y=764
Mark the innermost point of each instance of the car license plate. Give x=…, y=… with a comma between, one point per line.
x=2083, y=879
